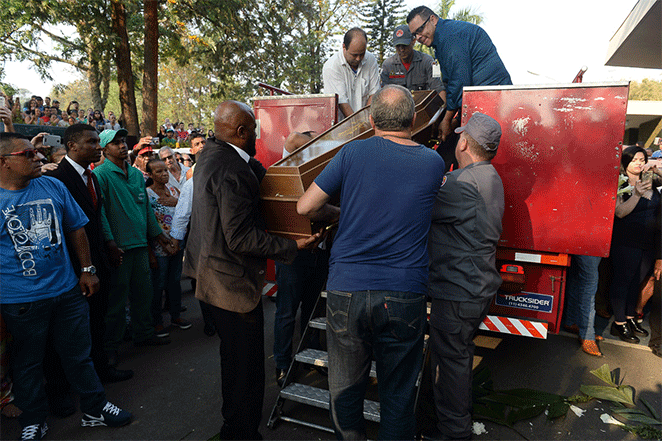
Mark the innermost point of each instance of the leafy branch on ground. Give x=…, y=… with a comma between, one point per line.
x=510, y=406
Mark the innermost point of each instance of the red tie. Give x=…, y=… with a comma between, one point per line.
x=90, y=187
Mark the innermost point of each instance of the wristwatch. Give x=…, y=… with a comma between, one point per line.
x=89, y=269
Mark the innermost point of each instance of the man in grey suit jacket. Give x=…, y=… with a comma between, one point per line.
x=227, y=252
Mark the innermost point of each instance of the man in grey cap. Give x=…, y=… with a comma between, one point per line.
x=409, y=68
x=466, y=226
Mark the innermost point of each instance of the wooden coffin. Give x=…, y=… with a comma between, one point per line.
x=287, y=179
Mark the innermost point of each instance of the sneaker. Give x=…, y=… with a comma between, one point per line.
x=34, y=431
x=161, y=332
x=180, y=323
x=110, y=415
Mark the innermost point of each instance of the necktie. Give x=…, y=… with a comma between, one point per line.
x=90, y=187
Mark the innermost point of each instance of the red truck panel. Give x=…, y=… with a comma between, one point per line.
x=559, y=160
x=278, y=116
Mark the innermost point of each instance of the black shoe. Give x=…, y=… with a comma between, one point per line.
x=153, y=341
x=280, y=376
x=112, y=375
x=624, y=332
x=636, y=327
x=209, y=330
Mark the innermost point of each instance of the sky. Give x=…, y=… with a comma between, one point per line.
x=539, y=42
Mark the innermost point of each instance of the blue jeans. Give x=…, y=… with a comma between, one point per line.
x=167, y=276
x=391, y=325
x=580, y=295
x=298, y=284
x=65, y=320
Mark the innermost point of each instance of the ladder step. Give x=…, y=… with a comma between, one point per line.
x=314, y=396
x=318, y=323
x=321, y=358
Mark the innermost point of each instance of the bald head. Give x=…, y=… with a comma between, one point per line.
x=234, y=123
x=392, y=108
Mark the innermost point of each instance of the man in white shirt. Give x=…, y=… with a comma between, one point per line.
x=352, y=73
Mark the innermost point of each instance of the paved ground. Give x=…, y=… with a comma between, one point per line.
x=175, y=394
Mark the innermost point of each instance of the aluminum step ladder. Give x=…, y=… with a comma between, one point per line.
x=316, y=396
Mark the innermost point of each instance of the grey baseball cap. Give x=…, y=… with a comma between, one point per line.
x=484, y=129
x=402, y=35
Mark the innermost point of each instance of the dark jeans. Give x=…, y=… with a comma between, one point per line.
x=580, y=295
x=57, y=385
x=631, y=267
x=65, y=321
x=390, y=325
x=453, y=325
x=242, y=371
x=167, y=276
x=298, y=284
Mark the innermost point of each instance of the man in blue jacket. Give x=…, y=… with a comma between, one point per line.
x=466, y=55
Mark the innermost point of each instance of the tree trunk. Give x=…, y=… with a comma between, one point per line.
x=93, y=74
x=124, y=70
x=151, y=71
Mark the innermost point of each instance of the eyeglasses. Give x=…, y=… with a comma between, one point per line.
x=420, y=28
x=28, y=153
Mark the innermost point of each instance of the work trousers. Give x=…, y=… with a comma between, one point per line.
x=453, y=325
x=242, y=370
x=130, y=281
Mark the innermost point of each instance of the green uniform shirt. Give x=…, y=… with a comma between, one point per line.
x=126, y=216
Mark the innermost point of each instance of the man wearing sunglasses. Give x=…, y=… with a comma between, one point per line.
x=42, y=299
x=466, y=55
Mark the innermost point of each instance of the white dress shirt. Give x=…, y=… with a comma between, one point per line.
x=352, y=87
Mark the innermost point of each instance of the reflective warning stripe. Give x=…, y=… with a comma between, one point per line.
x=506, y=325
x=269, y=289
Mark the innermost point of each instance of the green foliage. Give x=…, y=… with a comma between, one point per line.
x=646, y=90
x=467, y=14
x=510, y=406
x=636, y=415
x=380, y=18
x=644, y=432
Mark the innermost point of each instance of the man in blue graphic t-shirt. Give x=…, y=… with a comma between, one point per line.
x=41, y=298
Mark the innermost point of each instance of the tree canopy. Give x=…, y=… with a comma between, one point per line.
x=207, y=50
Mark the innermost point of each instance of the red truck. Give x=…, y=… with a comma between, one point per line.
x=559, y=159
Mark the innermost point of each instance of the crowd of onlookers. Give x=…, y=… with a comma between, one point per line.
x=47, y=112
